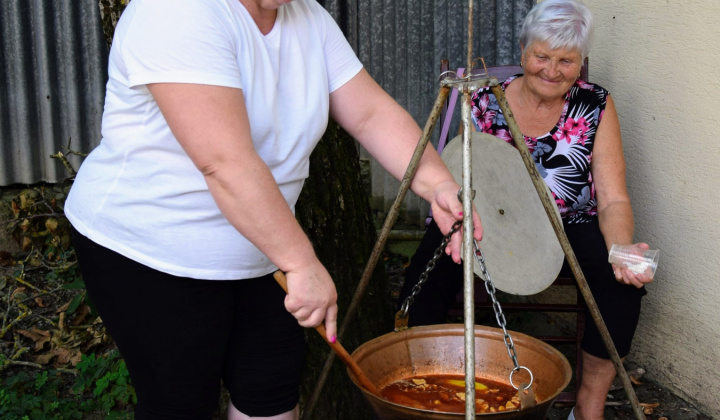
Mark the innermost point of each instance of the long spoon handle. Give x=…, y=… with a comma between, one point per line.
x=336, y=346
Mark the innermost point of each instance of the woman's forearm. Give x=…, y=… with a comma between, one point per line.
x=251, y=201
x=616, y=223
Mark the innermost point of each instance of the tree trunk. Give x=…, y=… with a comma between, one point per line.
x=110, y=11
x=335, y=212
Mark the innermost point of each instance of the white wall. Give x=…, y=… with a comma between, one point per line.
x=660, y=59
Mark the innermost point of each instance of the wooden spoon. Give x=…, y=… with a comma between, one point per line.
x=336, y=346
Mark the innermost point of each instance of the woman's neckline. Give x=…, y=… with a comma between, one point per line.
x=265, y=21
x=560, y=118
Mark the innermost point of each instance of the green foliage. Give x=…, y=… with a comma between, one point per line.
x=108, y=378
x=102, y=385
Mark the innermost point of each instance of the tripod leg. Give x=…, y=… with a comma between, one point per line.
x=380, y=244
x=549, y=205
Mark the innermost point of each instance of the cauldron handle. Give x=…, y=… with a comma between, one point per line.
x=526, y=393
x=336, y=346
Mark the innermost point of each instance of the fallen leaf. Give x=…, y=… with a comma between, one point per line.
x=27, y=198
x=18, y=294
x=25, y=226
x=80, y=314
x=97, y=339
x=65, y=356
x=77, y=358
x=44, y=359
x=39, y=302
x=40, y=337
x=64, y=307
x=648, y=408
x=51, y=224
x=635, y=381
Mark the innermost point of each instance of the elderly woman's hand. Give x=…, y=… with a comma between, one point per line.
x=627, y=276
x=447, y=209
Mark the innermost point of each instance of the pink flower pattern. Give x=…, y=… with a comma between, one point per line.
x=573, y=129
x=562, y=156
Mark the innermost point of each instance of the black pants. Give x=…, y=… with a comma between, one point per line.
x=180, y=337
x=619, y=304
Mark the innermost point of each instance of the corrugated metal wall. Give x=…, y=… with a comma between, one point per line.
x=401, y=43
x=53, y=60
x=53, y=65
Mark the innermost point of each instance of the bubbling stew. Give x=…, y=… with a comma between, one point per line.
x=446, y=393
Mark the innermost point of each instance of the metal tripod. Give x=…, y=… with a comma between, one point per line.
x=467, y=85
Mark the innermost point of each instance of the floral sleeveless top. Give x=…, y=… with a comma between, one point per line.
x=563, y=155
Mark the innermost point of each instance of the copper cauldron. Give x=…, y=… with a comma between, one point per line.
x=439, y=349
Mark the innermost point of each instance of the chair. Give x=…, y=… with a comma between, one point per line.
x=482, y=301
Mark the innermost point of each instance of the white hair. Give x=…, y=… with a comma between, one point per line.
x=560, y=23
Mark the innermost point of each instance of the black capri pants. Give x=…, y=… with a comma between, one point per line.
x=181, y=337
x=619, y=304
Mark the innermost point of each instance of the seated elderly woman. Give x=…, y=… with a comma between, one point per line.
x=571, y=128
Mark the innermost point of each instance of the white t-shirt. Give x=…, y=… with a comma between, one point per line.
x=138, y=193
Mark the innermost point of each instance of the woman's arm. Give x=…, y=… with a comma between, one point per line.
x=211, y=124
x=390, y=134
x=614, y=210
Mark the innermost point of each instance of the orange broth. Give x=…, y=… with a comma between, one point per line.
x=446, y=393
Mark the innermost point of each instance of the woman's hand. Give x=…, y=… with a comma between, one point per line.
x=627, y=276
x=446, y=210
x=312, y=298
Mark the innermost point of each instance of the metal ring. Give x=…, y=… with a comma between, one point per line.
x=518, y=369
x=405, y=308
x=448, y=72
x=460, y=195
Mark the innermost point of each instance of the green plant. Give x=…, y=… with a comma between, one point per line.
x=109, y=380
x=24, y=396
x=102, y=385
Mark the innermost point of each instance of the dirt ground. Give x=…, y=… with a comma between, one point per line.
x=669, y=406
x=662, y=403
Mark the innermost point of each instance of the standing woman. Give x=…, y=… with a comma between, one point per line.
x=571, y=128
x=186, y=208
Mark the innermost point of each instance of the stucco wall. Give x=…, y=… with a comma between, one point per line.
x=660, y=59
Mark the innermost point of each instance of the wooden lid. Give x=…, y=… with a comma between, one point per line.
x=522, y=253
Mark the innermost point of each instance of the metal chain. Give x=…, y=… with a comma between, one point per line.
x=430, y=267
x=499, y=316
x=489, y=287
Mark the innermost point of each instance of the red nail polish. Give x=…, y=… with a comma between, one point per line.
x=333, y=339
x=460, y=214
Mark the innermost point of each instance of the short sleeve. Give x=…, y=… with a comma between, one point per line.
x=181, y=41
x=342, y=62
